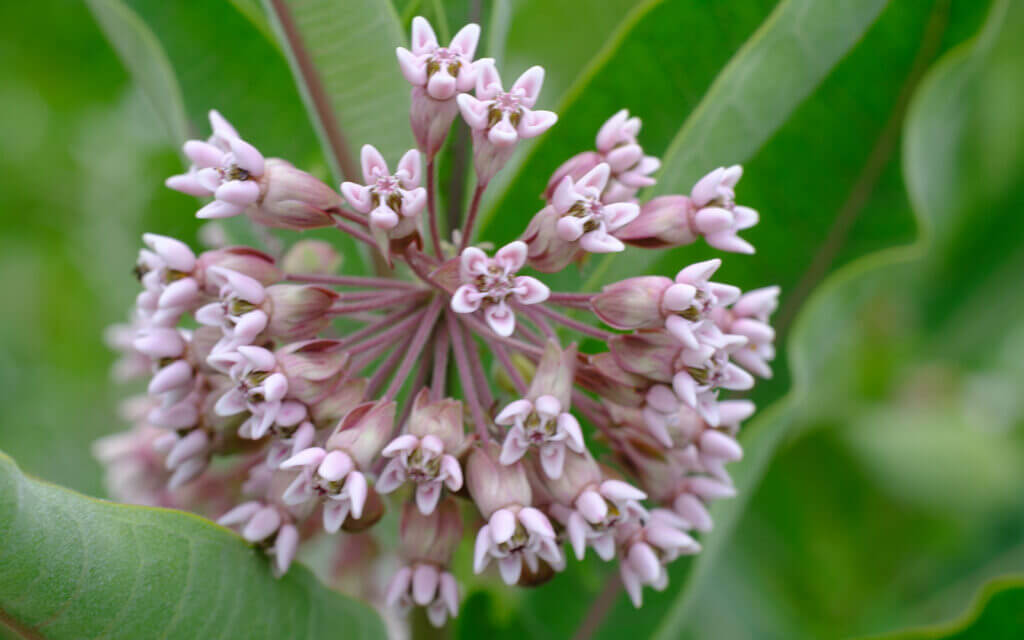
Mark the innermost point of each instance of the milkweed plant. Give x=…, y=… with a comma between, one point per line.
x=453, y=387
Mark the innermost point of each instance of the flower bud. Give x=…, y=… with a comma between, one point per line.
x=663, y=222
x=250, y=262
x=611, y=382
x=345, y=397
x=431, y=538
x=634, y=303
x=430, y=119
x=364, y=432
x=578, y=472
x=313, y=368
x=493, y=485
x=311, y=256
x=546, y=250
x=651, y=354
x=555, y=373
x=440, y=418
x=575, y=167
x=298, y=311
x=293, y=199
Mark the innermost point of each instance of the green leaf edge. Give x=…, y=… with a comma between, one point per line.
x=971, y=614
x=298, y=573
x=726, y=514
x=173, y=113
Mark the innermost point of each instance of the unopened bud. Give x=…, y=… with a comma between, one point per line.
x=634, y=303
x=364, y=432
x=293, y=199
x=430, y=119
x=313, y=368
x=298, y=311
x=440, y=418
x=311, y=256
x=431, y=538
x=579, y=472
x=663, y=222
x=576, y=167
x=250, y=262
x=555, y=374
x=651, y=354
x=493, y=485
x=345, y=397
x=546, y=250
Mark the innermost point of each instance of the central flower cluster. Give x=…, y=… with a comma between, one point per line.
x=452, y=382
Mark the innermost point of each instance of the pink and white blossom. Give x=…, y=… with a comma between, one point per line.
x=387, y=198
x=259, y=389
x=514, y=536
x=585, y=218
x=442, y=71
x=716, y=213
x=544, y=424
x=425, y=585
x=423, y=462
x=647, y=549
x=330, y=476
x=491, y=284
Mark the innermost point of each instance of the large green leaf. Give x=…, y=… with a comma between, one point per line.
x=994, y=615
x=351, y=45
x=76, y=567
x=140, y=51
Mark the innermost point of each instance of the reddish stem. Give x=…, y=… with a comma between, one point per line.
x=466, y=377
x=435, y=233
x=439, y=376
x=510, y=367
x=351, y=281
x=389, y=336
x=381, y=302
x=419, y=340
x=575, y=325
x=484, y=389
x=474, y=209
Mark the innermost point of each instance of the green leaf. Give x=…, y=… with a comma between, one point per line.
x=994, y=615
x=76, y=567
x=353, y=76
x=140, y=51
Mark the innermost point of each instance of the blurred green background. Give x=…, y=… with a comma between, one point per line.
x=897, y=488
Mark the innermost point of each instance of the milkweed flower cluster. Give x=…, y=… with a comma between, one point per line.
x=457, y=382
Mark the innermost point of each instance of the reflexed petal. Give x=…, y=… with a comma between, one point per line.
x=240, y=514
x=536, y=522
x=619, y=214
x=423, y=38
x=404, y=442
x=409, y=169
x=427, y=495
x=247, y=157
x=568, y=424
x=465, y=40
x=188, y=183
x=592, y=506
x=512, y=256
x=450, y=466
x=552, y=459
x=398, y=587
x=503, y=525
x=534, y=123
x=644, y=561
x=474, y=111
x=263, y=523
x=598, y=241
x=359, y=196
x=335, y=513
x=231, y=403
x=481, y=549
x=305, y=458
x=285, y=546
x=413, y=67
x=203, y=154
x=424, y=584
x=511, y=567
x=335, y=466
x=596, y=179
x=219, y=209
x=356, y=488
x=577, y=530
x=500, y=319
x=465, y=299
x=373, y=164
x=516, y=408
x=530, y=290
x=238, y=192
x=529, y=84
x=392, y=477
x=706, y=188
x=174, y=375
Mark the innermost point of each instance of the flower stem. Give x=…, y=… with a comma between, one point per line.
x=435, y=234
x=464, y=369
x=381, y=302
x=510, y=367
x=389, y=336
x=419, y=340
x=474, y=209
x=439, y=376
x=350, y=281
x=385, y=368
x=355, y=232
x=574, y=300
x=483, y=388
x=575, y=325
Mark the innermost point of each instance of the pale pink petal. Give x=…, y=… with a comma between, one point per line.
x=359, y=196
x=189, y=184
x=729, y=241
x=423, y=38
x=250, y=325
x=474, y=112
x=441, y=85
x=450, y=593
x=488, y=82
x=644, y=561
x=706, y=188
x=710, y=489
x=221, y=127
x=285, y=546
x=432, y=444
x=512, y=256
x=424, y=584
x=529, y=84
x=259, y=358
x=404, y=442
x=624, y=157
x=481, y=548
x=175, y=253
x=373, y=164
x=392, y=477
x=305, y=458
x=465, y=40
x=356, y=488
x=465, y=299
x=610, y=132
x=241, y=513
x=619, y=214
x=246, y=288
x=621, y=491
x=500, y=319
x=415, y=201
x=427, y=496
x=565, y=196
x=514, y=447
x=335, y=513
x=515, y=408
x=595, y=179
x=203, y=154
x=247, y=157
x=219, y=209
x=263, y=523
x=503, y=134
x=473, y=261
x=530, y=290
x=450, y=467
x=211, y=315
x=503, y=525
x=568, y=424
x=180, y=293
x=191, y=445
x=238, y=192
x=413, y=67
x=569, y=228
x=209, y=178
x=536, y=522
x=511, y=568
x=398, y=586
x=577, y=530
x=231, y=403
x=174, y=375
x=548, y=405
x=598, y=241
x=534, y=123
x=335, y=466
x=409, y=169
x=383, y=218
x=713, y=220
x=592, y=506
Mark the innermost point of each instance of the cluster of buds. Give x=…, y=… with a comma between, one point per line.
x=451, y=386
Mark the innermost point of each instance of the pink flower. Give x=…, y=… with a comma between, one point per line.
x=328, y=475
x=515, y=535
x=268, y=525
x=226, y=167
x=706, y=369
x=165, y=269
x=425, y=585
x=597, y=513
x=585, y=218
x=387, y=197
x=646, y=550
x=691, y=300
x=717, y=216
x=748, y=317
x=424, y=462
x=541, y=423
x=442, y=71
x=506, y=116
x=259, y=389
x=630, y=168
x=488, y=283
x=238, y=311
